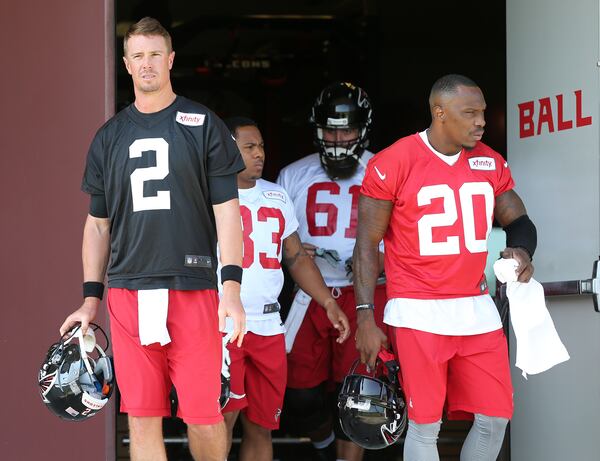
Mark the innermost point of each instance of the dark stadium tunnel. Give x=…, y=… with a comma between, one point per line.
x=268, y=60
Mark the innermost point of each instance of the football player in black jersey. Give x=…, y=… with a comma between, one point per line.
x=161, y=175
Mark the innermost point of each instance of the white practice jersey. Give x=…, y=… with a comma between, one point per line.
x=327, y=211
x=267, y=219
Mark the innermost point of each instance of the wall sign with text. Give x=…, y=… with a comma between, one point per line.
x=548, y=114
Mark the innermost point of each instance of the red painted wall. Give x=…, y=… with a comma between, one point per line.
x=56, y=89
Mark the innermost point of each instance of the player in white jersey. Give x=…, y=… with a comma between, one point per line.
x=325, y=188
x=258, y=368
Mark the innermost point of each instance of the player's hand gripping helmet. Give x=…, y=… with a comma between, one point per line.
x=372, y=408
x=341, y=106
x=76, y=379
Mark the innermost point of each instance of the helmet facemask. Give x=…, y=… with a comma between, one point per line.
x=340, y=159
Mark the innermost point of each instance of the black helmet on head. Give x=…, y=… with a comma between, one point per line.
x=76, y=378
x=341, y=106
x=372, y=409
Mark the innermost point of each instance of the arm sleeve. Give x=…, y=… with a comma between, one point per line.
x=223, y=155
x=222, y=188
x=98, y=207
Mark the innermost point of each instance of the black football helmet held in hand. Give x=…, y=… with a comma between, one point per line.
x=341, y=106
x=76, y=378
x=372, y=409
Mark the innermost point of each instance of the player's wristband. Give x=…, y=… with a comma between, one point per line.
x=365, y=306
x=231, y=272
x=93, y=289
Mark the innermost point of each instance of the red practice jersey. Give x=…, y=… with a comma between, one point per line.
x=436, y=241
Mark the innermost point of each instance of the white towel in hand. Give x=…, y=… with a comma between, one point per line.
x=153, y=306
x=295, y=318
x=538, y=346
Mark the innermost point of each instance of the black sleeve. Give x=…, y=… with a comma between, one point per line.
x=522, y=233
x=93, y=176
x=222, y=188
x=98, y=206
x=223, y=155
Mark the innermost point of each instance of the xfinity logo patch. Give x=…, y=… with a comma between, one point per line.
x=190, y=119
x=482, y=163
x=275, y=195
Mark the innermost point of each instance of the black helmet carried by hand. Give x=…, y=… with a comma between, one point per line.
x=341, y=107
x=76, y=378
x=372, y=409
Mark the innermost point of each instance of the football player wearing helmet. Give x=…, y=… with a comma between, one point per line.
x=77, y=379
x=433, y=196
x=258, y=368
x=341, y=118
x=324, y=187
x=161, y=175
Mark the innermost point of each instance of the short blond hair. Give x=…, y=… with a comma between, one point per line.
x=149, y=27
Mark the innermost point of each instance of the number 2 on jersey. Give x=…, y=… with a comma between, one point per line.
x=162, y=199
x=330, y=210
x=428, y=222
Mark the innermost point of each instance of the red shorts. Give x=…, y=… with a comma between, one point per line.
x=258, y=374
x=470, y=374
x=316, y=356
x=191, y=361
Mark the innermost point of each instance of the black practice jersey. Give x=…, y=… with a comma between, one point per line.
x=153, y=171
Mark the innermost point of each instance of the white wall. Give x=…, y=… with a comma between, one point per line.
x=552, y=49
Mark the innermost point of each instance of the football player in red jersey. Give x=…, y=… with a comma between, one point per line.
x=162, y=179
x=432, y=197
x=324, y=187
